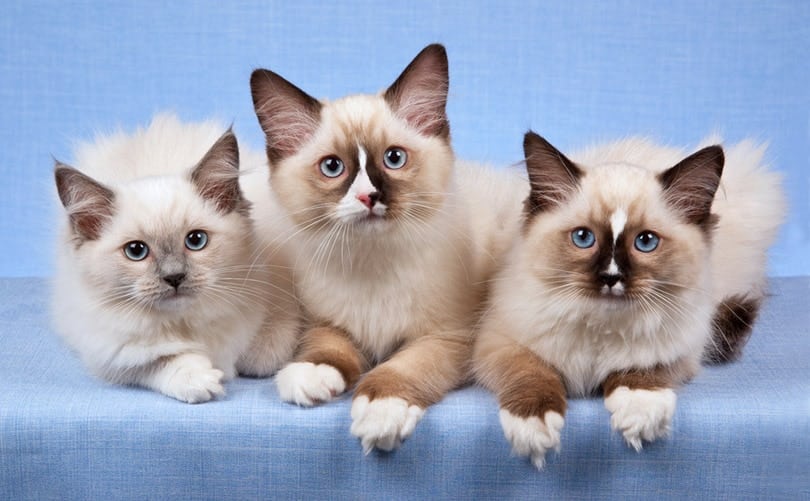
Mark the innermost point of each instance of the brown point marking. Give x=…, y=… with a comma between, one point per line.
x=421, y=372
x=531, y=387
x=385, y=381
x=525, y=385
x=332, y=346
x=732, y=324
x=653, y=378
x=552, y=176
x=690, y=186
x=89, y=203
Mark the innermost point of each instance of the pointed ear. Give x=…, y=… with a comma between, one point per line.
x=553, y=177
x=216, y=176
x=288, y=116
x=89, y=204
x=689, y=187
x=419, y=95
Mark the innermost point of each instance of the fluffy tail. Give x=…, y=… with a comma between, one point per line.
x=751, y=205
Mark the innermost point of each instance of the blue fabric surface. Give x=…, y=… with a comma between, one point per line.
x=740, y=432
x=577, y=72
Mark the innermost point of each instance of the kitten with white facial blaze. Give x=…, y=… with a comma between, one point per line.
x=630, y=268
x=385, y=266
x=158, y=282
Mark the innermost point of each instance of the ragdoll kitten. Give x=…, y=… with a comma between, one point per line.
x=158, y=282
x=384, y=262
x=628, y=269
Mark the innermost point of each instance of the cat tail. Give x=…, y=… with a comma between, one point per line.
x=751, y=207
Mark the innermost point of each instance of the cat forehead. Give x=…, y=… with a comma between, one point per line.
x=159, y=202
x=614, y=186
x=364, y=120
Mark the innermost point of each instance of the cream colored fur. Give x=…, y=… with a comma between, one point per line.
x=105, y=306
x=587, y=339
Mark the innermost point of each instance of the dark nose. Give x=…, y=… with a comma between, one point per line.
x=369, y=199
x=175, y=280
x=609, y=279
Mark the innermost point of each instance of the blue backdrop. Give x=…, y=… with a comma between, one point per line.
x=577, y=72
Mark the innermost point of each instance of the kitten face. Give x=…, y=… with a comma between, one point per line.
x=162, y=243
x=362, y=162
x=617, y=234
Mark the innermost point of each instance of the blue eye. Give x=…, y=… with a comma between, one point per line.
x=395, y=158
x=332, y=166
x=196, y=240
x=583, y=238
x=136, y=250
x=647, y=241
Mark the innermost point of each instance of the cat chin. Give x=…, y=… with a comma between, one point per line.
x=368, y=223
x=175, y=302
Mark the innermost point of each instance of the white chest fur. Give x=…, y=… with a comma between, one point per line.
x=589, y=342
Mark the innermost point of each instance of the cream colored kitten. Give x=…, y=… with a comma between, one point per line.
x=387, y=265
x=627, y=270
x=158, y=282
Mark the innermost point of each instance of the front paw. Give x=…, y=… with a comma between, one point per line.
x=194, y=380
x=641, y=414
x=307, y=384
x=533, y=436
x=383, y=422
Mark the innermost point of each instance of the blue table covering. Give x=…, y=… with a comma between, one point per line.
x=741, y=431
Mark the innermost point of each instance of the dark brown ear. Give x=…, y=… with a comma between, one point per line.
x=419, y=95
x=216, y=176
x=553, y=177
x=689, y=187
x=288, y=116
x=89, y=204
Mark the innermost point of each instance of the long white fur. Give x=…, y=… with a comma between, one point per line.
x=641, y=415
x=388, y=283
x=147, y=171
x=383, y=422
x=586, y=340
x=532, y=436
x=307, y=384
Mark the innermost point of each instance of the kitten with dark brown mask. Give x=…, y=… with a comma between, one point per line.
x=158, y=283
x=385, y=262
x=630, y=268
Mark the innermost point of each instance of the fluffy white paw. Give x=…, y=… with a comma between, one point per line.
x=641, y=414
x=532, y=436
x=383, y=422
x=307, y=384
x=192, y=379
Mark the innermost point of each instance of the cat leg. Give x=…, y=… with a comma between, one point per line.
x=188, y=377
x=271, y=347
x=530, y=393
x=326, y=365
x=392, y=398
x=731, y=327
x=642, y=401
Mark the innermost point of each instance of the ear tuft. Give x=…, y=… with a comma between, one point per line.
x=89, y=204
x=216, y=176
x=689, y=186
x=288, y=116
x=553, y=177
x=419, y=95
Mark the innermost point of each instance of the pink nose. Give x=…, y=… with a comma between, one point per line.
x=368, y=199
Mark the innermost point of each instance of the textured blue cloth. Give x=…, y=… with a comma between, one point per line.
x=741, y=431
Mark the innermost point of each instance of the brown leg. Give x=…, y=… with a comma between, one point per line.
x=530, y=393
x=326, y=365
x=392, y=397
